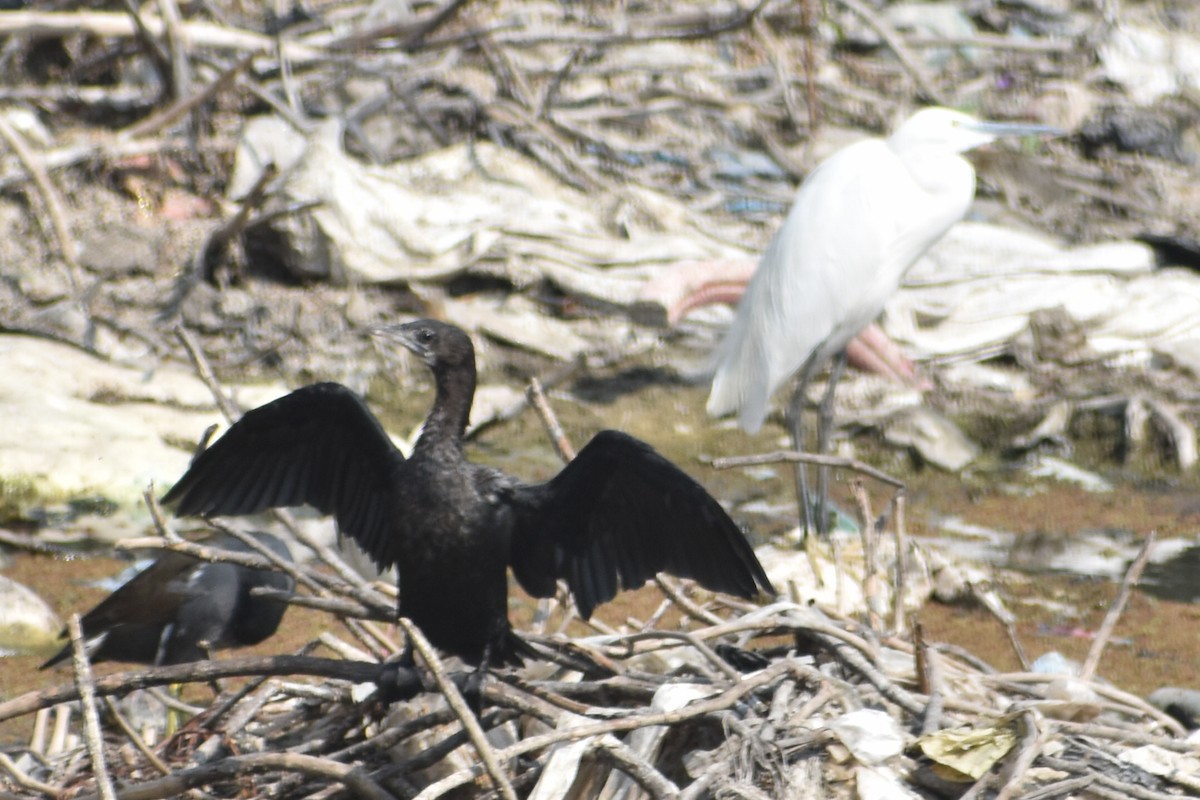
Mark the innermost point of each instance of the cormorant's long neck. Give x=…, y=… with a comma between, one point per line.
x=451, y=407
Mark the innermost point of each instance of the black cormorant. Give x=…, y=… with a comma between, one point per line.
x=179, y=608
x=616, y=515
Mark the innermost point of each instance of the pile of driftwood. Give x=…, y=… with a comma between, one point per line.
x=713, y=105
x=782, y=700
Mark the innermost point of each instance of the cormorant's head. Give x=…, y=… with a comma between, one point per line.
x=438, y=344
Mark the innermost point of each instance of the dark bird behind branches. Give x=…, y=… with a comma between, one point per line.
x=614, y=517
x=180, y=608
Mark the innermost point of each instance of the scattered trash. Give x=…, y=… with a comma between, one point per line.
x=972, y=752
x=1054, y=663
x=871, y=736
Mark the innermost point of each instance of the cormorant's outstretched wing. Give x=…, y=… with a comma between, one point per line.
x=319, y=446
x=621, y=512
x=139, y=608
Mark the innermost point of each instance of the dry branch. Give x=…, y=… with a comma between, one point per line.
x=200, y=34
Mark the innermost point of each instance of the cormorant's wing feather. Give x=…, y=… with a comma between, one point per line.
x=617, y=515
x=138, y=609
x=149, y=598
x=320, y=446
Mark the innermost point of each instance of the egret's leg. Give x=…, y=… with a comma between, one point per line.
x=796, y=423
x=824, y=434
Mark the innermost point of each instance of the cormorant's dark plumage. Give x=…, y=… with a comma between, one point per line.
x=179, y=607
x=615, y=516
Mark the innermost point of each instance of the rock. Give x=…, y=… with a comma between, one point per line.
x=83, y=433
x=1150, y=63
x=935, y=438
x=1053, y=430
x=1134, y=130
x=120, y=250
x=27, y=624
x=1052, y=468
x=264, y=140
x=1182, y=704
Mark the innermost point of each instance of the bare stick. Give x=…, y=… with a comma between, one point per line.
x=156, y=51
x=114, y=25
x=1010, y=630
x=186, y=104
x=25, y=781
x=673, y=591
x=808, y=458
x=699, y=708
x=217, y=242
x=195, y=672
x=642, y=772
x=1132, y=575
x=810, y=65
x=54, y=205
x=459, y=705
x=160, y=522
x=1031, y=744
x=181, y=71
x=557, y=376
x=550, y=95
x=929, y=675
x=91, y=719
x=899, y=615
x=870, y=538
x=537, y=399
x=321, y=584
x=228, y=408
x=353, y=776
x=37, y=741
x=699, y=644
x=892, y=39
x=135, y=737
x=1132, y=703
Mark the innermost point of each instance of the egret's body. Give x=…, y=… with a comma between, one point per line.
x=859, y=221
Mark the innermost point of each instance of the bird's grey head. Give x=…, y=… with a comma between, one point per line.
x=956, y=132
x=438, y=344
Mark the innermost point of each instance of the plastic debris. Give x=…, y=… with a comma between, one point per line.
x=972, y=751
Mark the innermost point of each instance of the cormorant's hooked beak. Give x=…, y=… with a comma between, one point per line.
x=406, y=336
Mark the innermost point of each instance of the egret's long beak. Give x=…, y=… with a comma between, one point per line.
x=999, y=129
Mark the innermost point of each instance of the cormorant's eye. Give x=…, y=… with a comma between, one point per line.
x=425, y=335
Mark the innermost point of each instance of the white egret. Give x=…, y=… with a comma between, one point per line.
x=859, y=221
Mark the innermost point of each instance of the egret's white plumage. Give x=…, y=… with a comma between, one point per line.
x=859, y=221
